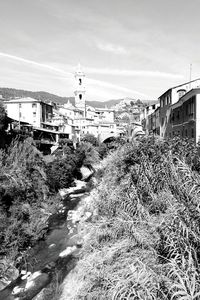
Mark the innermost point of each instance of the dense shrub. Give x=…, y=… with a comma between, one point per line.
x=3, y=118
x=62, y=171
x=90, y=138
x=87, y=155
x=24, y=194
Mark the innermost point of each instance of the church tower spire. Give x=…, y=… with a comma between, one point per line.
x=80, y=99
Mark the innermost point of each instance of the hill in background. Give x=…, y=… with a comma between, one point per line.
x=8, y=93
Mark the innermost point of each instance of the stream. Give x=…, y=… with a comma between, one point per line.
x=52, y=253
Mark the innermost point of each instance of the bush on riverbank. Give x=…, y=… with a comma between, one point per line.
x=25, y=200
x=62, y=171
x=144, y=243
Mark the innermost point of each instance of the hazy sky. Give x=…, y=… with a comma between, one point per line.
x=128, y=48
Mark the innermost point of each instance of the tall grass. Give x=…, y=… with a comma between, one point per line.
x=144, y=242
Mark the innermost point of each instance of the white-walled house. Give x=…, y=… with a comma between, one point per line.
x=29, y=110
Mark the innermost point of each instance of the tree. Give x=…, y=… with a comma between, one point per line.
x=3, y=117
x=87, y=155
x=90, y=138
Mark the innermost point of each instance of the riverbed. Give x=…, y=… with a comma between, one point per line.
x=52, y=253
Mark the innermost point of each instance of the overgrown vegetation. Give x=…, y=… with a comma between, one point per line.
x=144, y=239
x=25, y=199
x=29, y=186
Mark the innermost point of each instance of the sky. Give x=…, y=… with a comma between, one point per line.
x=127, y=48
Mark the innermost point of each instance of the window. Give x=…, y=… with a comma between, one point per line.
x=34, y=114
x=185, y=132
x=80, y=96
x=80, y=81
x=34, y=105
x=186, y=109
x=191, y=106
x=192, y=132
x=20, y=105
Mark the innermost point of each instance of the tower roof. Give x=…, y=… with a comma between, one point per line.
x=79, y=71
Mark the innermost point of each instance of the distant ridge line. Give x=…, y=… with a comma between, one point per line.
x=45, y=96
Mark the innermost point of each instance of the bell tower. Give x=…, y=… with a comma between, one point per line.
x=80, y=101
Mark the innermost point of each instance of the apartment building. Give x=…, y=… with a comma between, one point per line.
x=170, y=97
x=150, y=119
x=29, y=110
x=184, y=117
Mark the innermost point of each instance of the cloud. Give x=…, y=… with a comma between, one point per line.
x=114, y=87
x=33, y=63
x=97, y=84
x=141, y=73
x=108, y=47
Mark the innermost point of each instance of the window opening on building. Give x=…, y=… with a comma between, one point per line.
x=80, y=96
x=80, y=81
x=186, y=109
x=192, y=132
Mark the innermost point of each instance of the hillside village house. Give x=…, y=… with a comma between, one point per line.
x=170, y=97
x=184, y=116
x=73, y=121
x=177, y=114
x=104, y=115
x=150, y=119
x=29, y=110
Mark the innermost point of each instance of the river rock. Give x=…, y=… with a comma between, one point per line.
x=3, y=283
x=52, y=246
x=85, y=172
x=68, y=251
x=87, y=216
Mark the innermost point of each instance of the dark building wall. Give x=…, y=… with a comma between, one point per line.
x=47, y=111
x=182, y=120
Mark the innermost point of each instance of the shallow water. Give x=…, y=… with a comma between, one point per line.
x=57, y=239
